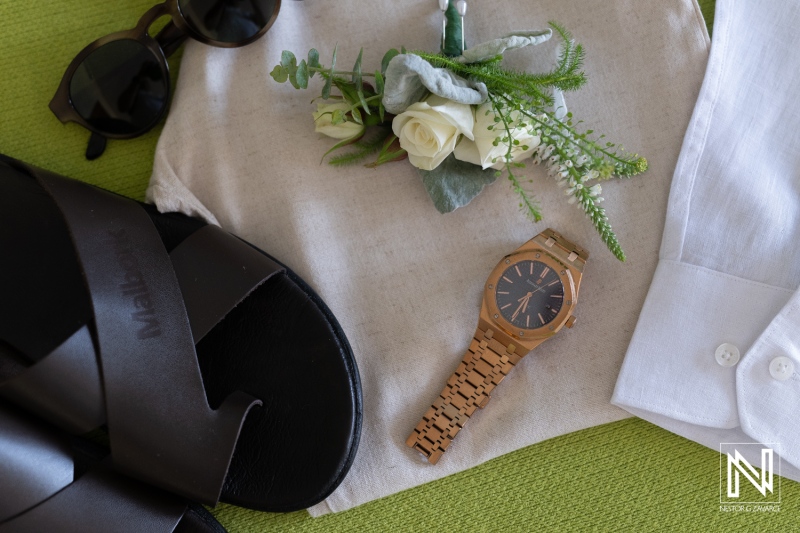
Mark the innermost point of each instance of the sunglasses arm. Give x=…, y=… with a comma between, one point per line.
x=170, y=38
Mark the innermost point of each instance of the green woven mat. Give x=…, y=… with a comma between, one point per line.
x=628, y=475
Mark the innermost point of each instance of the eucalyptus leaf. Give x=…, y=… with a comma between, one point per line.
x=326, y=89
x=357, y=116
x=363, y=102
x=293, y=78
x=347, y=90
x=279, y=74
x=386, y=58
x=379, y=89
x=378, y=82
x=313, y=61
x=289, y=62
x=357, y=71
x=455, y=183
x=302, y=75
x=288, y=59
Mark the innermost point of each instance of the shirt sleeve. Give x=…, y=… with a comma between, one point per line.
x=716, y=351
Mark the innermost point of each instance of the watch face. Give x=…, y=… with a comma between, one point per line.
x=529, y=294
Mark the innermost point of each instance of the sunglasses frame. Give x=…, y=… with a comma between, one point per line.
x=161, y=46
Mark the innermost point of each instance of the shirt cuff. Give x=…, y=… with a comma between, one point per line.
x=676, y=365
x=768, y=384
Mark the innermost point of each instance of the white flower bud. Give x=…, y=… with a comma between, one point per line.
x=323, y=121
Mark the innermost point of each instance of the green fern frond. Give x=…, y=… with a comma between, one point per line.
x=535, y=88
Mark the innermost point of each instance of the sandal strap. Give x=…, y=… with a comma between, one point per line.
x=41, y=494
x=34, y=464
x=161, y=427
x=101, y=501
x=64, y=388
x=216, y=271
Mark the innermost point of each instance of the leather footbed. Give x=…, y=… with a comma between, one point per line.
x=282, y=345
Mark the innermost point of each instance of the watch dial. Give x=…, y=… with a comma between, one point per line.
x=529, y=294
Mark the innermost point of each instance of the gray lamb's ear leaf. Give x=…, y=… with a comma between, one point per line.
x=496, y=47
x=455, y=183
x=409, y=78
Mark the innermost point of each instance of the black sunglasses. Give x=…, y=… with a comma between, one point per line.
x=118, y=87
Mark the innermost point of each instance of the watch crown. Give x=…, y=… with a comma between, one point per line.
x=570, y=321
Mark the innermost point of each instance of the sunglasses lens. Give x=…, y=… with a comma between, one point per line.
x=120, y=88
x=228, y=21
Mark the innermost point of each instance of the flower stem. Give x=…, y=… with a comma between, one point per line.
x=338, y=72
x=532, y=210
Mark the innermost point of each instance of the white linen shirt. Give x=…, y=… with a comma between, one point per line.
x=715, y=355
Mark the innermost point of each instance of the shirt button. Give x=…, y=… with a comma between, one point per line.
x=781, y=368
x=727, y=354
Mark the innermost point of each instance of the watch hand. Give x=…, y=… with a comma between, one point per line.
x=514, y=316
x=537, y=290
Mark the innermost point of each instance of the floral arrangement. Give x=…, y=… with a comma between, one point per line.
x=463, y=120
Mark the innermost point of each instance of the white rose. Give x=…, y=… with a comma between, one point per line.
x=323, y=118
x=482, y=150
x=428, y=130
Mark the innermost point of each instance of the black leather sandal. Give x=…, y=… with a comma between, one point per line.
x=219, y=374
x=53, y=482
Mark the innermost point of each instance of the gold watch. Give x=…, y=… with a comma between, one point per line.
x=529, y=296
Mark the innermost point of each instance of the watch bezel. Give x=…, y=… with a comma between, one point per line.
x=564, y=274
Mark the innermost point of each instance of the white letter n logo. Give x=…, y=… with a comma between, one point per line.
x=738, y=464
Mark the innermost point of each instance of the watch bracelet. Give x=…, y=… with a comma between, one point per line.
x=562, y=247
x=482, y=368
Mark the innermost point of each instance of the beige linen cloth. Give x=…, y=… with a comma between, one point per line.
x=405, y=281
